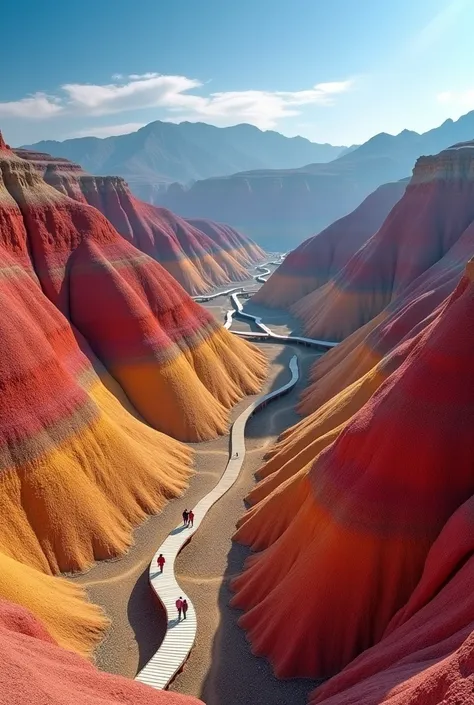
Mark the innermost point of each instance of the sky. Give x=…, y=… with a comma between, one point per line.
x=338, y=71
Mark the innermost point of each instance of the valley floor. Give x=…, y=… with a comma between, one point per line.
x=221, y=668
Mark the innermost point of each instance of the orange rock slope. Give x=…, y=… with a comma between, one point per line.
x=320, y=257
x=96, y=337
x=434, y=212
x=36, y=670
x=200, y=255
x=354, y=498
x=426, y=656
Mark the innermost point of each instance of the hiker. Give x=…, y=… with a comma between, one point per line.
x=237, y=454
x=190, y=518
x=185, y=608
x=179, y=607
x=161, y=561
x=185, y=517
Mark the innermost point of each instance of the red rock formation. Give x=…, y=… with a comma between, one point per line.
x=86, y=313
x=427, y=653
x=36, y=670
x=319, y=258
x=200, y=259
x=357, y=524
x=424, y=225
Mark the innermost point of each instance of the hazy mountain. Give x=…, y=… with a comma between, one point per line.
x=280, y=208
x=163, y=152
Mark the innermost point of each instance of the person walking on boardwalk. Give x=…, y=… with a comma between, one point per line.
x=190, y=518
x=185, y=517
x=161, y=561
x=179, y=607
x=185, y=607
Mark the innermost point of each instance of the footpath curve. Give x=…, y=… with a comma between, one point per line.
x=180, y=636
x=267, y=333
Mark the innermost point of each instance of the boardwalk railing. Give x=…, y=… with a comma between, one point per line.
x=180, y=636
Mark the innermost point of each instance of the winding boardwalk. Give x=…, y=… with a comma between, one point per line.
x=180, y=636
x=267, y=333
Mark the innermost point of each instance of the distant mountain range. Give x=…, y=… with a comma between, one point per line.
x=280, y=208
x=163, y=152
x=276, y=199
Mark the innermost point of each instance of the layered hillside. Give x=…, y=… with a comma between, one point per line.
x=426, y=655
x=86, y=313
x=357, y=524
x=200, y=259
x=36, y=670
x=319, y=258
x=280, y=208
x=424, y=225
x=163, y=152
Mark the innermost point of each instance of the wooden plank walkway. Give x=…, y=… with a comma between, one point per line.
x=180, y=636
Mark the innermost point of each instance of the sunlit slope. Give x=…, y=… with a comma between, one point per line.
x=177, y=365
x=319, y=258
x=434, y=212
x=199, y=258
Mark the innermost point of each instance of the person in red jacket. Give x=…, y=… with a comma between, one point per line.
x=179, y=607
x=190, y=518
x=185, y=607
x=161, y=561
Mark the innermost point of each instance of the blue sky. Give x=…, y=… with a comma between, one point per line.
x=338, y=71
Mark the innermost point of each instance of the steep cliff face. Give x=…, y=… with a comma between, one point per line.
x=425, y=224
x=356, y=521
x=319, y=258
x=86, y=313
x=199, y=259
x=36, y=670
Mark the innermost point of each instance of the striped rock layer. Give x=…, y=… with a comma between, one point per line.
x=35, y=669
x=199, y=255
x=96, y=337
x=434, y=212
x=369, y=502
x=319, y=258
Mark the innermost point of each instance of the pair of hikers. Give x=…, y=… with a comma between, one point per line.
x=188, y=518
x=181, y=606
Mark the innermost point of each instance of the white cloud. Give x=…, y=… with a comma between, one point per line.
x=108, y=130
x=137, y=93
x=179, y=99
x=35, y=107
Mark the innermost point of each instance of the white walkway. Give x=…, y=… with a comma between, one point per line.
x=180, y=636
x=267, y=333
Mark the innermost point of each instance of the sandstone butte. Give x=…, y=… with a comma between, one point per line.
x=433, y=213
x=86, y=313
x=321, y=256
x=199, y=254
x=373, y=488
x=36, y=670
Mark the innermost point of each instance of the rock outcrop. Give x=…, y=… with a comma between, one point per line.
x=319, y=258
x=104, y=358
x=200, y=259
x=35, y=669
x=434, y=212
x=357, y=520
